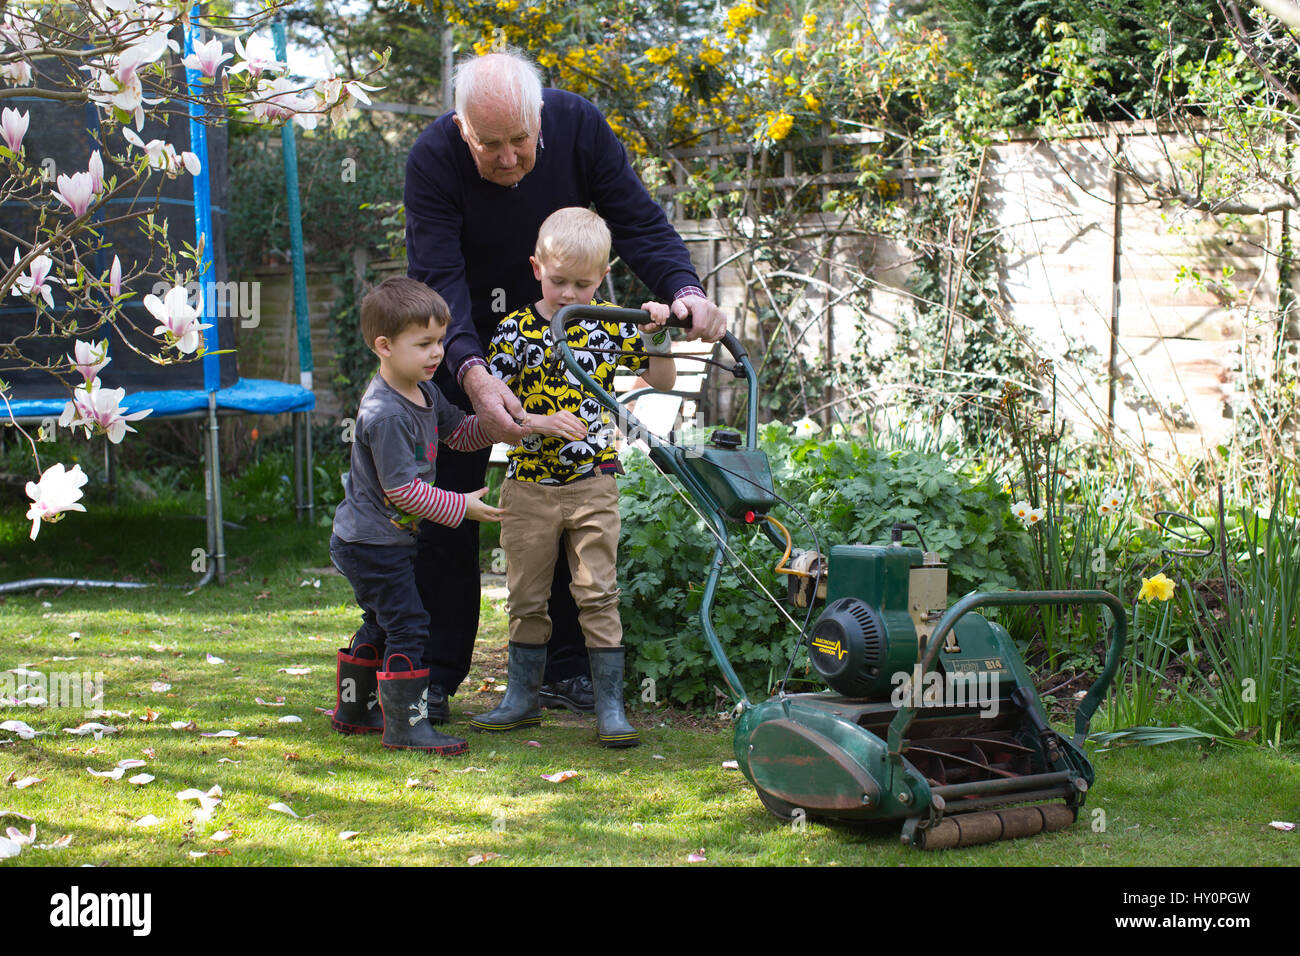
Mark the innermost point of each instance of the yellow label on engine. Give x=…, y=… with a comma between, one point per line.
x=826, y=647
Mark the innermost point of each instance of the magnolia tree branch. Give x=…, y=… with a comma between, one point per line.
x=121, y=57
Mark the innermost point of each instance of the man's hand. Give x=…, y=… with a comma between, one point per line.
x=562, y=424
x=707, y=320
x=498, y=409
x=476, y=509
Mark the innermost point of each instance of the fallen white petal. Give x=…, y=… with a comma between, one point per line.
x=282, y=808
x=214, y=659
x=75, y=635
x=26, y=782
x=222, y=733
x=8, y=848
x=21, y=838
x=183, y=725
x=1282, y=825
x=60, y=844
x=561, y=776
x=294, y=671
x=730, y=765
x=198, y=854
x=114, y=774
x=349, y=834
x=31, y=702
x=57, y=658
x=222, y=835
x=290, y=719
x=131, y=763
x=148, y=820
x=90, y=728
x=14, y=813
x=214, y=790
x=228, y=760
x=190, y=794
x=19, y=728
x=140, y=779
x=159, y=687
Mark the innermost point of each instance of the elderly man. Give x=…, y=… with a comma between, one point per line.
x=479, y=183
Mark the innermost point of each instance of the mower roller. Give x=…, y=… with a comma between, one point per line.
x=932, y=717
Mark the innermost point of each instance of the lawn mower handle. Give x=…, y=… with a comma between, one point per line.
x=1083, y=716
x=559, y=337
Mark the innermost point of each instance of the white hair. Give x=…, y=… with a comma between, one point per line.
x=507, y=80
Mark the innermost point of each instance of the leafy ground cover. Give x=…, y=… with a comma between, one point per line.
x=281, y=614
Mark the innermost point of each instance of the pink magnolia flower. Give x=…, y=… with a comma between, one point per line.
x=89, y=359
x=76, y=192
x=207, y=58
x=178, y=320
x=13, y=127
x=163, y=155
x=97, y=172
x=56, y=492
x=100, y=409
x=115, y=278
x=38, y=279
x=281, y=99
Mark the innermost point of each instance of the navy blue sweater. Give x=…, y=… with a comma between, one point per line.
x=470, y=239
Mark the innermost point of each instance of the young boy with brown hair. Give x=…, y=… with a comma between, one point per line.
x=401, y=419
x=560, y=486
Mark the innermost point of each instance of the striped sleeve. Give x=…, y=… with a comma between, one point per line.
x=468, y=436
x=437, y=505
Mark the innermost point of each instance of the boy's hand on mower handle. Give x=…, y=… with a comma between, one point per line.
x=659, y=316
x=476, y=509
x=559, y=425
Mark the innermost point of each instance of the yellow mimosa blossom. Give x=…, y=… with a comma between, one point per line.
x=548, y=59
x=659, y=55
x=809, y=22
x=1158, y=588
x=711, y=55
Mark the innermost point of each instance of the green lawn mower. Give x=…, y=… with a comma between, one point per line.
x=932, y=717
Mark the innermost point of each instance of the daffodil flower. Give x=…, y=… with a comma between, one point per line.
x=1158, y=588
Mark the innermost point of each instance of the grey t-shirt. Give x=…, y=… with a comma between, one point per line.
x=394, y=441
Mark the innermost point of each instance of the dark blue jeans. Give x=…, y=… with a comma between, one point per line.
x=393, y=619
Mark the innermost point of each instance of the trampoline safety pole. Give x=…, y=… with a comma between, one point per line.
x=212, y=334
x=302, y=459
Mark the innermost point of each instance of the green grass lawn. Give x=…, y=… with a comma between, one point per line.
x=656, y=804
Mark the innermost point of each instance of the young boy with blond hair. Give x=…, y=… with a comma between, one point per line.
x=389, y=489
x=560, y=486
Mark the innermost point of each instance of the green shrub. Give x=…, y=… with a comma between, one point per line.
x=850, y=493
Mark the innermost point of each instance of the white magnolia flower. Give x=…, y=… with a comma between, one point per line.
x=179, y=321
x=96, y=170
x=281, y=99
x=13, y=127
x=257, y=57
x=37, y=279
x=95, y=408
x=89, y=359
x=163, y=155
x=207, y=58
x=58, y=491
x=76, y=192
x=19, y=72
x=115, y=278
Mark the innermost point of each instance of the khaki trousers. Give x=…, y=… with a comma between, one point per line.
x=584, y=516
